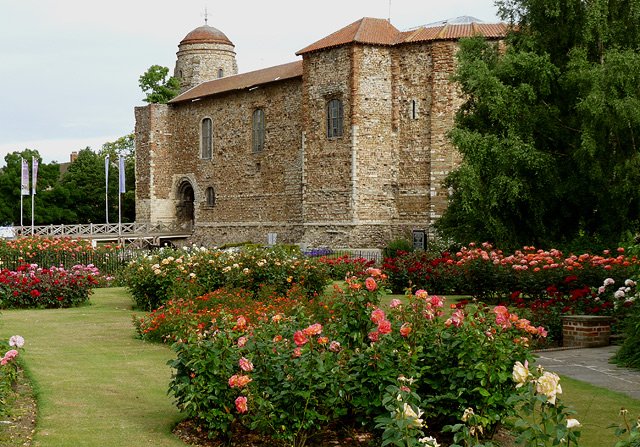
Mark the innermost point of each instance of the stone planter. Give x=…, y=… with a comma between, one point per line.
x=585, y=331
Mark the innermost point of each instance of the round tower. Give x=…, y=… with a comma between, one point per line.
x=204, y=54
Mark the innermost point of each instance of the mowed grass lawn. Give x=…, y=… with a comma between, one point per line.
x=97, y=385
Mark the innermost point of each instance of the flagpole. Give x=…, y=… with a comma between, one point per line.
x=121, y=190
x=33, y=192
x=106, y=188
x=21, y=190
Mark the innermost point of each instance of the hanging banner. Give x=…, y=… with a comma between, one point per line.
x=121, y=173
x=34, y=174
x=25, y=178
x=106, y=172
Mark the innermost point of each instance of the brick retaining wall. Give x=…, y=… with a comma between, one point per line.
x=585, y=331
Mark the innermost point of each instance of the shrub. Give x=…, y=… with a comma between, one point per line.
x=342, y=266
x=182, y=318
x=9, y=364
x=65, y=252
x=397, y=247
x=31, y=286
x=287, y=376
x=167, y=274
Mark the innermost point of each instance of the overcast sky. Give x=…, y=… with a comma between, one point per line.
x=69, y=68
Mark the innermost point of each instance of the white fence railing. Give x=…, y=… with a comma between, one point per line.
x=97, y=231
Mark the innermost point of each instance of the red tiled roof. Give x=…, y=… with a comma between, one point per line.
x=366, y=30
x=451, y=31
x=242, y=81
x=206, y=34
x=381, y=32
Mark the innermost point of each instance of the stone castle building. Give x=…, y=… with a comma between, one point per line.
x=345, y=147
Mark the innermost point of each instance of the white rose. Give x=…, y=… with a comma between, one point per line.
x=520, y=373
x=549, y=385
x=573, y=423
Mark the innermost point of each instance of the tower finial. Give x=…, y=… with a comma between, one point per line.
x=206, y=16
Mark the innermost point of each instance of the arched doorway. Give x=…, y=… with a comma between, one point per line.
x=184, y=207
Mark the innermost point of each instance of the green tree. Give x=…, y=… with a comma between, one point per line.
x=50, y=202
x=124, y=146
x=158, y=88
x=548, y=131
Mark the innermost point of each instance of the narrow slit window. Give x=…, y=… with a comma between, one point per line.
x=414, y=109
x=210, y=196
x=334, y=118
x=206, y=142
x=258, y=130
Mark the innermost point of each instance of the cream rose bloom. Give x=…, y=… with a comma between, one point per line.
x=520, y=373
x=573, y=423
x=549, y=385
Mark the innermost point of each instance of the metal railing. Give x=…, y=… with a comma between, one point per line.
x=105, y=231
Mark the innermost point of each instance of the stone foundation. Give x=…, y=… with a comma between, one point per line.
x=585, y=331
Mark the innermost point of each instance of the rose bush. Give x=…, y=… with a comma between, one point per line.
x=31, y=286
x=155, y=278
x=9, y=365
x=288, y=375
x=63, y=252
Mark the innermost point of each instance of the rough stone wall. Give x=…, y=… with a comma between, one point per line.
x=412, y=98
x=382, y=178
x=327, y=176
x=253, y=191
x=375, y=141
x=200, y=62
x=446, y=100
x=153, y=161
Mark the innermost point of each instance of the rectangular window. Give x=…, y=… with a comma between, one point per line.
x=206, y=141
x=334, y=118
x=258, y=130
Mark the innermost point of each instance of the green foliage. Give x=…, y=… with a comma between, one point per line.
x=9, y=365
x=77, y=196
x=543, y=420
x=157, y=87
x=627, y=429
x=288, y=382
x=166, y=274
x=395, y=246
x=403, y=426
x=548, y=130
x=629, y=355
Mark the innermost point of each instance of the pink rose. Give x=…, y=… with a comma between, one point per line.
x=242, y=341
x=395, y=303
x=374, y=336
x=370, y=284
x=377, y=316
x=300, y=338
x=245, y=365
x=384, y=327
x=405, y=330
x=241, y=404
x=314, y=329
x=334, y=346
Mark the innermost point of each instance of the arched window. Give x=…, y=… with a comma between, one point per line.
x=206, y=139
x=220, y=73
x=210, y=196
x=258, y=130
x=334, y=118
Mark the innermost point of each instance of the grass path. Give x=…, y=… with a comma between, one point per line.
x=97, y=385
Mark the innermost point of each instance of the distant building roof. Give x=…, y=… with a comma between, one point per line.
x=206, y=34
x=366, y=30
x=381, y=32
x=242, y=81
